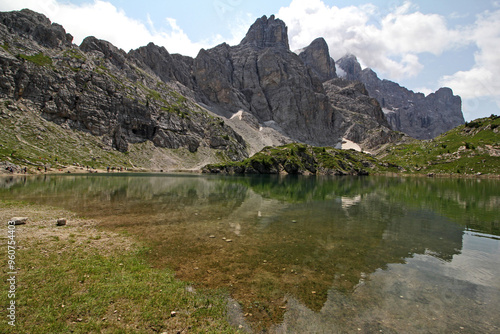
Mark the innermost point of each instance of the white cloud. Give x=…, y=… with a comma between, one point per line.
x=104, y=21
x=389, y=43
x=482, y=79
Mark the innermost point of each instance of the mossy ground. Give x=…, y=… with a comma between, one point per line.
x=304, y=159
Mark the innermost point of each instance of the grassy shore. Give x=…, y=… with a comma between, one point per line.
x=81, y=279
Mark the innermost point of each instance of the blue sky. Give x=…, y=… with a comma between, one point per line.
x=422, y=45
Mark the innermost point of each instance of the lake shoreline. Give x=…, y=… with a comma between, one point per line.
x=89, y=256
x=76, y=170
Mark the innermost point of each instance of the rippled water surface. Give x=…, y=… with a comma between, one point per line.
x=310, y=254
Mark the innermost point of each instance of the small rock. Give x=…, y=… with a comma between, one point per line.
x=229, y=240
x=173, y=314
x=19, y=220
x=294, y=221
x=61, y=222
x=313, y=292
x=212, y=236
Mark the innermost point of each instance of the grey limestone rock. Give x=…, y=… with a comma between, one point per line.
x=267, y=32
x=263, y=77
x=419, y=116
x=100, y=89
x=29, y=24
x=317, y=57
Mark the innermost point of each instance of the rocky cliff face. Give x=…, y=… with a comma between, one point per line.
x=263, y=77
x=100, y=89
x=317, y=57
x=359, y=117
x=419, y=116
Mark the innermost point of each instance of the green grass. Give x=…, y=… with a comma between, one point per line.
x=466, y=149
x=74, y=53
x=302, y=159
x=39, y=59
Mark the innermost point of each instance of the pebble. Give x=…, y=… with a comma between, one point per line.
x=229, y=240
x=212, y=236
x=173, y=314
x=294, y=221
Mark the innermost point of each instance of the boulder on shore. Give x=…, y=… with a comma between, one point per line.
x=19, y=220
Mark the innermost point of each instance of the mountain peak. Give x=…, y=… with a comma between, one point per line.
x=37, y=26
x=317, y=57
x=267, y=32
x=350, y=66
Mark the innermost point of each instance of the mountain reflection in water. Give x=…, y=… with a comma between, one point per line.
x=310, y=254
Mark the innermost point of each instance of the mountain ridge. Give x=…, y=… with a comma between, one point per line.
x=419, y=116
x=223, y=105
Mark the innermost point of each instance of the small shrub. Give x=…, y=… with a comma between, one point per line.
x=469, y=146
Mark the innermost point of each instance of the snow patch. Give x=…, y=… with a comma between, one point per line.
x=238, y=115
x=348, y=144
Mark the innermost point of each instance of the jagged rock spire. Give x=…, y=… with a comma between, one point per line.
x=267, y=32
x=317, y=57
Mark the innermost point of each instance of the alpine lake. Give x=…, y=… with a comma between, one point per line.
x=309, y=254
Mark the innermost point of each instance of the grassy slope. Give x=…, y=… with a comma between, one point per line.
x=468, y=149
x=29, y=140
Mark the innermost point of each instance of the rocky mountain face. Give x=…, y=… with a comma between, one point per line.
x=419, y=116
x=317, y=57
x=226, y=103
x=263, y=77
x=359, y=117
x=100, y=89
